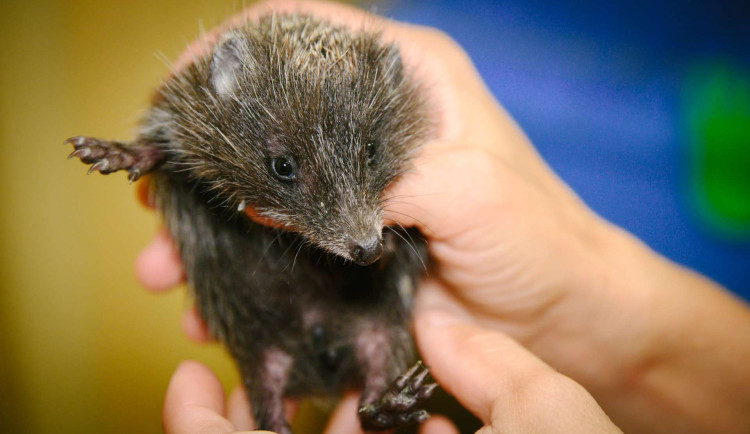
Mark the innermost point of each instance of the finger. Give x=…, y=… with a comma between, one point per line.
x=194, y=402
x=475, y=365
x=158, y=267
x=438, y=424
x=238, y=410
x=433, y=295
x=194, y=327
x=345, y=418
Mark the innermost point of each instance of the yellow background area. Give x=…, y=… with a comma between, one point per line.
x=83, y=348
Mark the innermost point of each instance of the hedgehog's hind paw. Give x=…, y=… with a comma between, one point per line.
x=397, y=406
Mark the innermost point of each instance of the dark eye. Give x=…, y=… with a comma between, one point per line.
x=370, y=149
x=283, y=168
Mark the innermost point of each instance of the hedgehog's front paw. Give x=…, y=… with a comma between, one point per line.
x=107, y=157
x=397, y=406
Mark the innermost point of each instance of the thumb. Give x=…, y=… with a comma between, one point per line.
x=501, y=382
x=475, y=365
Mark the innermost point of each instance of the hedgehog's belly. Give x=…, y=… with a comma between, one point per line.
x=324, y=362
x=314, y=313
x=321, y=334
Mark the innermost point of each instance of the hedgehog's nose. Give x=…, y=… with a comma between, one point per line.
x=365, y=253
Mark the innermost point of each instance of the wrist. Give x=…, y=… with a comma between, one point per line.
x=659, y=347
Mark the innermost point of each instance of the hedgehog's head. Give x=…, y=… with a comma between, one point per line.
x=307, y=125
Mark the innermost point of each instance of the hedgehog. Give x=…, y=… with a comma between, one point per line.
x=269, y=158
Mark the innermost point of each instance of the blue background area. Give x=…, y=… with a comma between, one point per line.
x=599, y=88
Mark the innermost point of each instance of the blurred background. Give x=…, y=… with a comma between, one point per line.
x=643, y=107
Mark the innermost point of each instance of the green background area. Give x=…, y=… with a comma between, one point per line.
x=718, y=108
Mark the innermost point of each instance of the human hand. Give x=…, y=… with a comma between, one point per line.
x=519, y=253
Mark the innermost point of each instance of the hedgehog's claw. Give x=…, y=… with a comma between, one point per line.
x=96, y=166
x=133, y=175
x=80, y=153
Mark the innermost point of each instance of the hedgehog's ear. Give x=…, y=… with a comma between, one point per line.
x=228, y=61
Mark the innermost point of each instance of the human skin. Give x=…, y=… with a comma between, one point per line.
x=537, y=289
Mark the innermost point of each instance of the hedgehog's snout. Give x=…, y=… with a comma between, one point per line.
x=365, y=252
